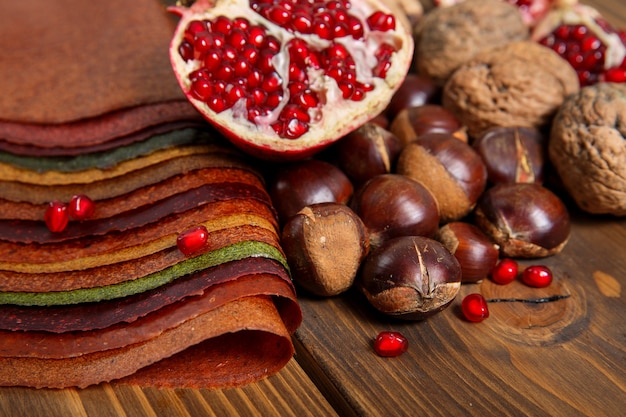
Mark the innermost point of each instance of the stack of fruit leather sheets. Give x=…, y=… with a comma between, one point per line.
x=90, y=106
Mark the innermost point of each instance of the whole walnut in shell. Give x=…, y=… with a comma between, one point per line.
x=587, y=147
x=520, y=84
x=449, y=36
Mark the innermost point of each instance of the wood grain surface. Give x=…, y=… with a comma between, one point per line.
x=561, y=358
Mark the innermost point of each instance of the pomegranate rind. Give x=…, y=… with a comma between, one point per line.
x=339, y=117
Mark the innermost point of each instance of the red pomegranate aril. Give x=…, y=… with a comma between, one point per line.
x=192, y=240
x=615, y=75
x=81, y=207
x=186, y=50
x=241, y=23
x=195, y=27
x=505, y=271
x=538, y=276
x=381, y=21
x=302, y=23
x=295, y=128
x=256, y=36
x=355, y=27
x=201, y=89
x=272, y=82
x=279, y=15
x=322, y=29
x=217, y=104
x=273, y=100
x=212, y=59
x=474, y=307
x=56, y=216
x=390, y=344
x=222, y=25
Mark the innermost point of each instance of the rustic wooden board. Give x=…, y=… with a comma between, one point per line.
x=562, y=358
x=288, y=393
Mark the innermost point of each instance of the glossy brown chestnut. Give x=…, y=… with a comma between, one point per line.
x=416, y=90
x=324, y=245
x=392, y=205
x=512, y=154
x=367, y=152
x=453, y=172
x=297, y=185
x=476, y=253
x=413, y=122
x=410, y=277
x=525, y=219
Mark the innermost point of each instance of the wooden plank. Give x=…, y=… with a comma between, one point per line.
x=288, y=393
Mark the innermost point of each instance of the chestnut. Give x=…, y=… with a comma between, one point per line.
x=297, y=185
x=367, y=152
x=392, y=205
x=416, y=90
x=476, y=253
x=452, y=170
x=410, y=277
x=324, y=245
x=525, y=219
x=512, y=154
x=413, y=122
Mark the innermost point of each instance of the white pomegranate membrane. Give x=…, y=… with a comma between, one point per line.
x=270, y=72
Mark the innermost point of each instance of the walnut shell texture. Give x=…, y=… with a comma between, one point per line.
x=520, y=84
x=450, y=36
x=587, y=147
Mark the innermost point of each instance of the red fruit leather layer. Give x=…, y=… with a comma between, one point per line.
x=12, y=210
x=90, y=316
x=28, y=231
x=266, y=347
x=96, y=134
x=77, y=82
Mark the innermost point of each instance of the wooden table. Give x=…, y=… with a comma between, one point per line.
x=564, y=358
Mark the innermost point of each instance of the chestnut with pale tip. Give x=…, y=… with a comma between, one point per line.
x=525, y=219
x=413, y=122
x=451, y=169
x=410, y=277
x=324, y=245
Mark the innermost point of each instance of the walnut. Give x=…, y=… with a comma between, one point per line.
x=521, y=84
x=449, y=36
x=587, y=147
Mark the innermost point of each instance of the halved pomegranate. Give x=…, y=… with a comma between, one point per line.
x=579, y=34
x=282, y=79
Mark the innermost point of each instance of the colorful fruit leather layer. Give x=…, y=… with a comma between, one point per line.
x=104, y=166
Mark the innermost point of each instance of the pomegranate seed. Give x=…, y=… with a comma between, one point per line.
x=380, y=70
x=474, y=307
x=56, y=216
x=272, y=82
x=256, y=36
x=505, y=271
x=254, y=78
x=185, y=49
x=202, y=43
x=537, y=276
x=295, y=128
x=381, y=21
x=195, y=27
x=212, y=60
x=346, y=89
x=192, y=240
x=390, y=344
x=356, y=28
x=258, y=96
x=296, y=87
x=217, y=104
x=302, y=23
x=237, y=38
x=322, y=29
x=273, y=100
x=279, y=15
x=222, y=25
x=272, y=43
x=225, y=73
x=201, y=89
x=81, y=207
x=241, y=23
x=615, y=75
x=241, y=67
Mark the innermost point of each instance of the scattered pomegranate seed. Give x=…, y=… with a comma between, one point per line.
x=474, y=307
x=390, y=344
x=81, y=207
x=537, y=276
x=505, y=271
x=56, y=216
x=192, y=240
